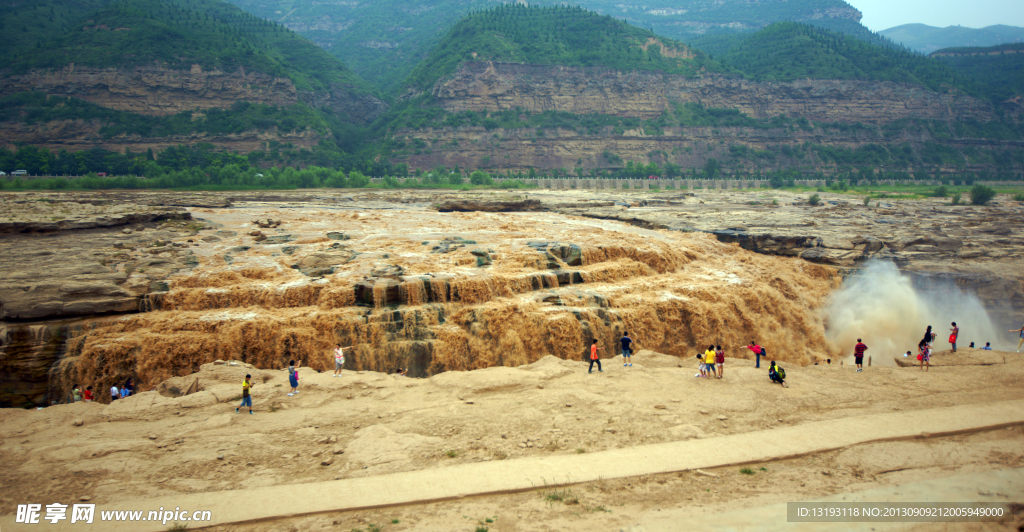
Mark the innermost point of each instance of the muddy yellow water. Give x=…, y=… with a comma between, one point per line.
x=405, y=296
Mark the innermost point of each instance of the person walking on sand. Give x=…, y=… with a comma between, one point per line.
x=719, y=360
x=627, y=349
x=777, y=374
x=293, y=376
x=1021, y=342
x=246, y=398
x=858, y=354
x=593, y=356
x=339, y=358
x=954, y=332
x=758, y=352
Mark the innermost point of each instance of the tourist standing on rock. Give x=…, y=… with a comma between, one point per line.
x=1021, y=342
x=76, y=394
x=593, y=356
x=627, y=349
x=777, y=374
x=719, y=360
x=129, y=385
x=293, y=376
x=929, y=336
x=88, y=397
x=954, y=332
x=339, y=358
x=858, y=354
x=758, y=352
x=924, y=354
x=709, y=360
x=246, y=398
x=114, y=393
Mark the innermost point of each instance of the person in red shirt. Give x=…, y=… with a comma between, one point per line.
x=858, y=354
x=87, y=396
x=593, y=357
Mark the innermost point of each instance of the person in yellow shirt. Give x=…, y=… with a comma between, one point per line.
x=246, y=398
x=709, y=361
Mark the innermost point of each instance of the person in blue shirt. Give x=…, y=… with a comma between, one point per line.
x=988, y=346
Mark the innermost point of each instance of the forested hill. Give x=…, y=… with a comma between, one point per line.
x=384, y=40
x=788, y=51
x=560, y=35
x=172, y=33
x=1000, y=68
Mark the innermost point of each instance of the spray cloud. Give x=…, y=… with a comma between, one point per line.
x=887, y=310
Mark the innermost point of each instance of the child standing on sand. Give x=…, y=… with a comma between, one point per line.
x=246, y=398
x=593, y=356
x=293, y=376
x=924, y=355
x=858, y=354
x=719, y=360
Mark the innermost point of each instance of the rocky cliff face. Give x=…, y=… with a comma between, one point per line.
x=75, y=135
x=519, y=150
x=480, y=86
x=154, y=90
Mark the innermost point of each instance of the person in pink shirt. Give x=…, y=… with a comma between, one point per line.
x=758, y=353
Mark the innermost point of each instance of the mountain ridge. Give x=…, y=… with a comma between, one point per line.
x=927, y=39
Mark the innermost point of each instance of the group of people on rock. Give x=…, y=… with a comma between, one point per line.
x=77, y=394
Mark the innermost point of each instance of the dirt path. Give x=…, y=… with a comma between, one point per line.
x=155, y=447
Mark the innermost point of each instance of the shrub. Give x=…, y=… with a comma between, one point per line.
x=981, y=194
x=480, y=178
x=957, y=196
x=1018, y=196
x=940, y=192
x=867, y=200
x=356, y=179
x=814, y=200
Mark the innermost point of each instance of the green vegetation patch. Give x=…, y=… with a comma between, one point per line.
x=560, y=35
x=787, y=51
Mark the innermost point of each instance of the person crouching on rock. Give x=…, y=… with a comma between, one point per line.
x=777, y=374
x=293, y=376
x=246, y=398
x=593, y=357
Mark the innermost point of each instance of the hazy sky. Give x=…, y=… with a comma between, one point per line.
x=884, y=14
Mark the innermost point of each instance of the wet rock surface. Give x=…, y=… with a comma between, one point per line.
x=432, y=292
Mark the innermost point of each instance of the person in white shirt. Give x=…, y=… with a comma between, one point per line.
x=114, y=393
x=339, y=358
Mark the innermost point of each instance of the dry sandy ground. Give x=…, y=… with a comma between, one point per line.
x=152, y=444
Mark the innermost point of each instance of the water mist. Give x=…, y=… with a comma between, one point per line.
x=884, y=308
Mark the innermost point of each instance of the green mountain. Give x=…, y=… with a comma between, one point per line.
x=568, y=36
x=384, y=40
x=999, y=68
x=787, y=51
x=928, y=39
x=173, y=33
x=328, y=104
